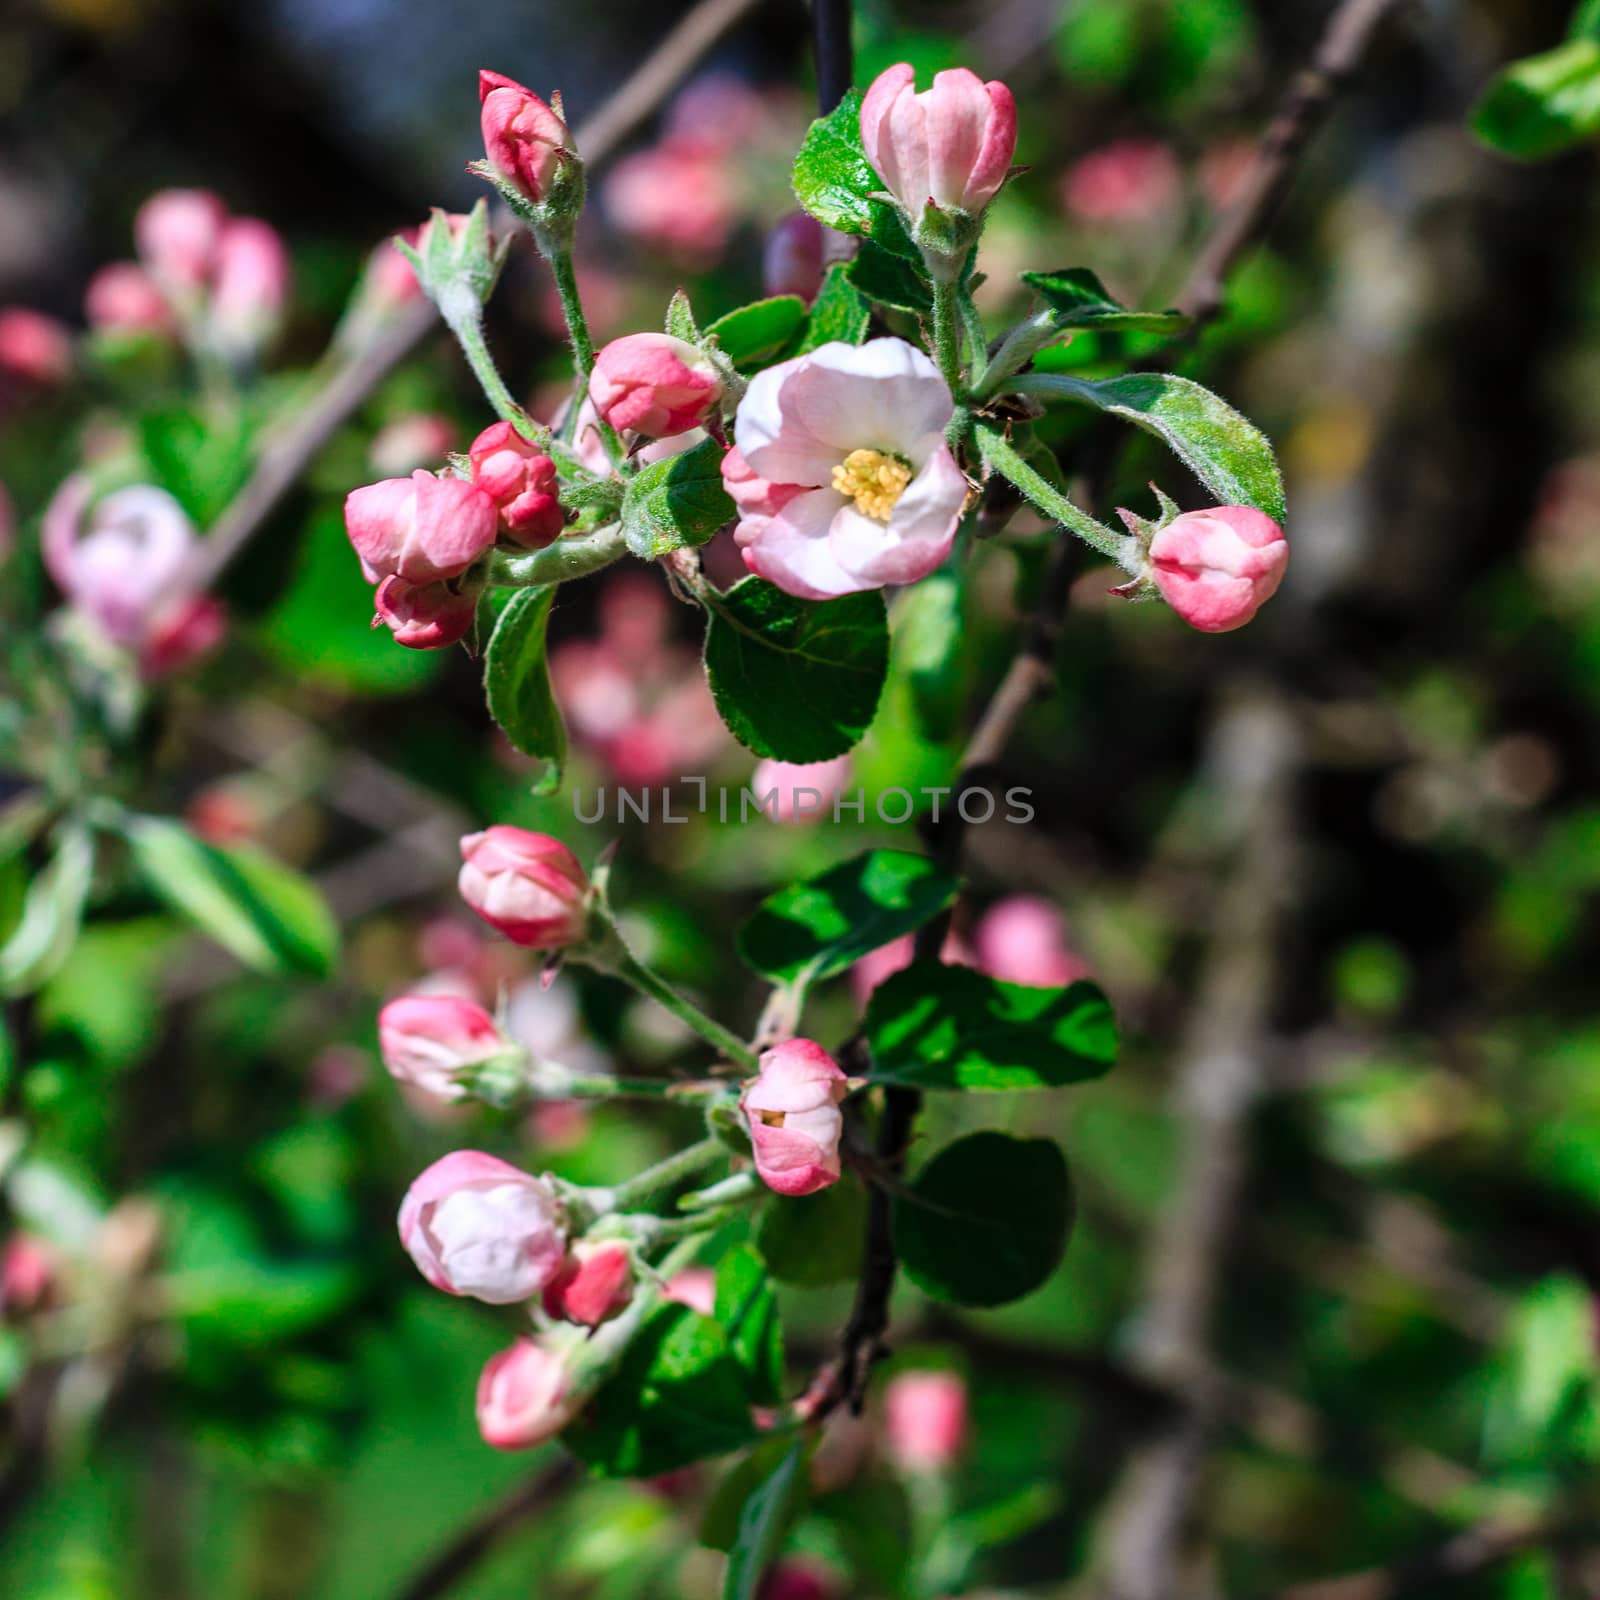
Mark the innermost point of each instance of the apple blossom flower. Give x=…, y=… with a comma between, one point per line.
x=792, y=261
x=951, y=144
x=595, y=1283
x=925, y=1420
x=477, y=1226
x=524, y=1396
x=126, y=571
x=523, y=139
x=178, y=232
x=1216, y=568
x=250, y=289
x=654, y=384
x=527, y=885
x=1021, y=940
x=426, y=1039
x=803, y=790
x=420, y=528
x=34, y=349
x=792, y=1110
x=1123, y=182
x=521, y=480
x=123, y=298
x=841, y=474
x=424, y=616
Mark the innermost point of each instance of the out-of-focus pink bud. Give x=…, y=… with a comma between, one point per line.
x=803, y=792
x=181, y=632
x=421, y=528
x=34, y=349
x=888, y=959
x=792, y=260
x=925, y=1419
x=795, y=1578
x=477, y=1226
x=677, y=196
x=559, y=1124
x=424, y=616
x=951, y=144
x=792, y=1110
x=338, y=1074
x=178, y=232
x=1123, y=182
x=123, y=298
x=527, y=885
x=695, y=1287
x=390, y=280
x=717, y=109
x=635, y=617
x=1217, y=568
x=426, y=1039
x=599, y=698
x=27, y=1270
x=251, y=287
x=653, y=384
x=523, y=1397
x=1020, y=940
x=521, y=480
x=594, y=1285
x=523, y=138
x=400, y=447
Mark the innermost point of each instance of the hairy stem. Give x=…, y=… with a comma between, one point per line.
x=575, y=557
x=947, y=332
x=666, y=1173
x=467, y=326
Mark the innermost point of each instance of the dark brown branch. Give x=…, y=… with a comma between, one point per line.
x=487, y=1531
x=288, y=455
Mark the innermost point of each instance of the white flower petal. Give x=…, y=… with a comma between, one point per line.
x=774, y=445
x=793, y=549
x=882, y=395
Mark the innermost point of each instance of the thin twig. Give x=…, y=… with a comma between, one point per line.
x=287, y=456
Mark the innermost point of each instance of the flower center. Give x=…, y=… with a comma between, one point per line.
x=874, y=480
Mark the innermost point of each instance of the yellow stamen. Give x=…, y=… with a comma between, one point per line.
x=874, y=480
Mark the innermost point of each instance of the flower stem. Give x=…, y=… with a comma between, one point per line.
x=666, y=1173
x=633, y=971
x=947, y=331
x=573, y=557
x=467, y=325
x=560, y=258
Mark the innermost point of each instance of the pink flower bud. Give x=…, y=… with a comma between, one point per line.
x=123, y=298
x=1021, y=940
x=951, y=144
x=521, y=481
x=1217, y=568
x=426, y=1039
x=421, y=528
x=178, y=231
x=792, y=1109
x=251, y=286
x=424, y=616
x=695, y=1287
x=400, y=447
x=1123, y=182
x=391, y=281
x=34, y=349
x=27, y=1271
x=678, y=197
x=523, y=138
x=189, y=627
x=792, y=260
x=925, y=1417
x=654, y=384
x=799, y=1579
x=477, y=1226
x=527, y=885
x=594, y=1285
x=803, y=792
x=523, y=1397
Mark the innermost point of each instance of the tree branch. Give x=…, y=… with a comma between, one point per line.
x=287, y=456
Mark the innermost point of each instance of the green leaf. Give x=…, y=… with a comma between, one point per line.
x=814, y=929
x=271, y=918
x=1226, y=452
x=929, y=633
x=517, y=683
x=754, y=334
x=815, y=1239
x=832, y=176
x=678, y=1396
x=798, y=680
x=1544, y=104
x=201, y=461
x=680, y=318
x=747, y=1312
x=764, y=1522
x=933, y=1026
x=1080, y=300
x=839, y=311
x=986, y=1221
x=677, y=502
x=890, y=279
x=52, y=913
